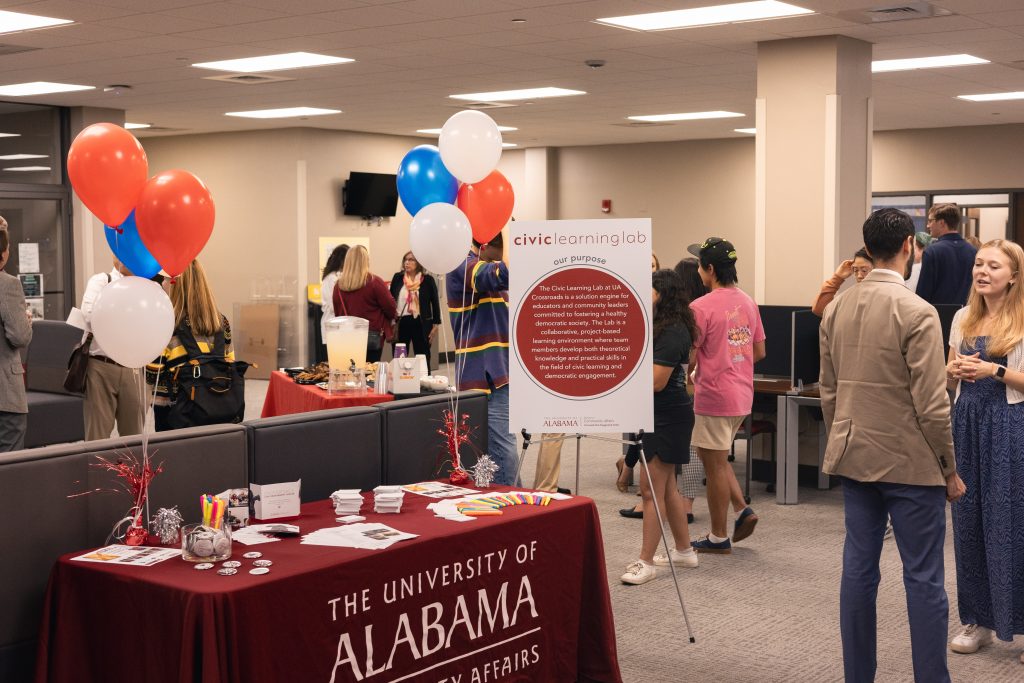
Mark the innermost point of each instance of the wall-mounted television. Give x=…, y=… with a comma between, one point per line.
x=370, y=195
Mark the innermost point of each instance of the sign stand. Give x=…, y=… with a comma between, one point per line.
x=638, y=442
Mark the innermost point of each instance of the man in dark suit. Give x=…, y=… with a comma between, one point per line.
x=17, y=333
x=947, y=263
x=883, y=393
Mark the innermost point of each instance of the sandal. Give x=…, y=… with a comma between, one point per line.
x=625, y=477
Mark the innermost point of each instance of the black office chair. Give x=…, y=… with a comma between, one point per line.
x=750, y=429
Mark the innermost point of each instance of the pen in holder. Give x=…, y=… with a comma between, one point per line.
x=209, y=541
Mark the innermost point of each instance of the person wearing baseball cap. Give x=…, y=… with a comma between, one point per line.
x=731, y=340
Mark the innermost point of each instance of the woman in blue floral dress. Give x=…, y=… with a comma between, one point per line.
x=986, y=367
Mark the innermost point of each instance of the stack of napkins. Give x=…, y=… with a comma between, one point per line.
x=366, y=536
x=347, y=501
x=388, y=499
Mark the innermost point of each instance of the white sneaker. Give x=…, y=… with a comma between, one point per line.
x=688, y=560
x=639, y=572
x=971, y=639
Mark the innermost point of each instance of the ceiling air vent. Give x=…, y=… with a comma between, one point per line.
x=483, y=105
x=248, y=79
x=903, y=11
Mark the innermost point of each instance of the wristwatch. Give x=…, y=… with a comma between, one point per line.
x=1000, y=371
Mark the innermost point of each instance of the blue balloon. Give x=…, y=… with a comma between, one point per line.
x=127, y=246
x=423, y=179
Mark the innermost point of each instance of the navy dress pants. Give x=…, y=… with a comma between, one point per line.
x=919, y=525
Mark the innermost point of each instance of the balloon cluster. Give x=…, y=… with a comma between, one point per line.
x=447, y=216
x=151, y=224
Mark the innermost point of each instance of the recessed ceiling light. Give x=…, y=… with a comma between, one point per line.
x=509, y=144
x=284, y=113
x=39, y=88
x=690, y=116
x=437, y=131
x=993, y=96
x=16, y=21
x=748, y=131
x=290, y=60
x=884, y=65
x=524, y=94
x=21, y=157
x=134, y=126
x=706, y=16
x=28, y=168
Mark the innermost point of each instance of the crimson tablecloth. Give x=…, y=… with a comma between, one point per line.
x=520, y=597
x=285, y=397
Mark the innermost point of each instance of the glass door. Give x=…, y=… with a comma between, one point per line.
x=40, y=252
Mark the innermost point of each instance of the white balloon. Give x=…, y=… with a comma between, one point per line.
x=133, y=320
x=440, y=236
x=470, y=145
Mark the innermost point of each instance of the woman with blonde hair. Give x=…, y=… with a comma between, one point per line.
x=362, y=294
x=986, y=367
x=195, y=312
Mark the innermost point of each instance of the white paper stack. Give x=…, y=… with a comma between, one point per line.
x=347, y=501
x=388, y=499
x=366, y=536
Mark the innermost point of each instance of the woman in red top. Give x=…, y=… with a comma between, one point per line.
x=362, y=294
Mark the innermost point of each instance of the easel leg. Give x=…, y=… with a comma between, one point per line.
x=576, y=490
x=664, y=538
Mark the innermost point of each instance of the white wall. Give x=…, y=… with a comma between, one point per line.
x=690, y=190
x=276, y=193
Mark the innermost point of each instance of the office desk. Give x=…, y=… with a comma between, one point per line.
x=520, y=597
x=788, y=444
x=285, y=397
x=787, y=435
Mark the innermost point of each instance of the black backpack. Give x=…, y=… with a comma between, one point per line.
x=208, y=389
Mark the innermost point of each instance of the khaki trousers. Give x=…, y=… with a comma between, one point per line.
x=549, y=463
x=112, y=393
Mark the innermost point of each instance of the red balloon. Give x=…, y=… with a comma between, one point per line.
x=487, y=204
x=175, y=218
x=107, y=167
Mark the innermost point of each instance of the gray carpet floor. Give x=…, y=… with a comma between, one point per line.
x=769, y=612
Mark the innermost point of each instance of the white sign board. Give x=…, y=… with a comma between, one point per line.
x=28, y=257
x=580, y=326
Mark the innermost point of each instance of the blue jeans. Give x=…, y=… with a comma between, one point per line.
x=919, y=525
x=501, y=445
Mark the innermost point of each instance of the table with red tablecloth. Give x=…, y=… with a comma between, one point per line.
x=517, y=597
x=285, y=397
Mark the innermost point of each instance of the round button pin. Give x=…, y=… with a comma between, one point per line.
x=231, y=564
x=252, y=555
x=227, y=571
x=204, y=565
x=259, y=570
x=262, y=563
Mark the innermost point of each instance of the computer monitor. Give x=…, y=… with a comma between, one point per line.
x=806, y=351
x=778, y=333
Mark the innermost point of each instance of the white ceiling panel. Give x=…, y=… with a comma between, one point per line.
x=412, y=54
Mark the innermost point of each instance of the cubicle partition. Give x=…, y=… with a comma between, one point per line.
x=413, y=449
x=778, y=331
x=327, y=449
x=56, y=501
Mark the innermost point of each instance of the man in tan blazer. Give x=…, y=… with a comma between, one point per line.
x=17, y=333
x=883, y=392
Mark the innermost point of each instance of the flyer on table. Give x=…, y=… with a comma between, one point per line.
x=580, y=299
